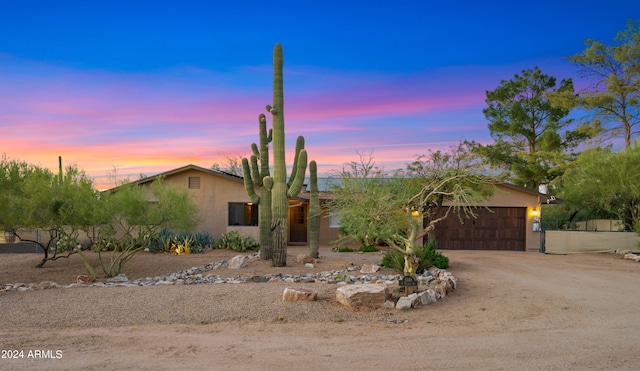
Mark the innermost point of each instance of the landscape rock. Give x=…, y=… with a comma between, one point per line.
x=369, y=268
x=299, y=294
x=48, y=285
x=389, y=304
x=403, y=303
x=370, y=296
x=119, y=278
x=425, y=298
x=305, y=259
x=85, y=279
x=237, y=262
x=632, y=256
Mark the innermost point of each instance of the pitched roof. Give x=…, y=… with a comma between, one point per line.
x=183, y=169
x=544, y=198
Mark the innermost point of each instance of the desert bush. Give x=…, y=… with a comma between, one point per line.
x=427, y=254
x=234, y=241
x=368, y=248
x=166, y=241
x=345, y=249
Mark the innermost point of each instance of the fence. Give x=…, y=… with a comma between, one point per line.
x=568, y=242
x=585, y=225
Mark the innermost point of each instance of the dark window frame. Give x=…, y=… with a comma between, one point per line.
x=242, y=214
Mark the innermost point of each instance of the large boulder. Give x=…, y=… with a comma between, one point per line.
x=366, y=295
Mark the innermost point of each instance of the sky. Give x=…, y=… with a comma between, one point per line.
x=143, y=87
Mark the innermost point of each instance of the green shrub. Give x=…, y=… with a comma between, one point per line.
x=394, y=260
x=430, y=255
x=427, y=254
x=345, y=249
x=368, y=248
x=234, y=241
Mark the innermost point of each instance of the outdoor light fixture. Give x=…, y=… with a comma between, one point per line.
x=535, y=212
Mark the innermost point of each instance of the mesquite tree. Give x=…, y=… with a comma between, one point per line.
x=398, y=210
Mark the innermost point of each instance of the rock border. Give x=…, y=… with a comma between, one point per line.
x=436, y=283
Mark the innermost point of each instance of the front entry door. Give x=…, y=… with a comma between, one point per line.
x=298, y=224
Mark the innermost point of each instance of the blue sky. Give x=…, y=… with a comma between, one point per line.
x=146, y=87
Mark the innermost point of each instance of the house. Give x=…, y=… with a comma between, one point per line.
x=221, y=198
x=508, y=221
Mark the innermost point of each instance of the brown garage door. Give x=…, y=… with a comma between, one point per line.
x=501, y=228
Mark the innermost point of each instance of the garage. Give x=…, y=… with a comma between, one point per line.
x=497, y=228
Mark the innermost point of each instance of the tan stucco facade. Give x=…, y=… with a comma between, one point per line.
x=214, y=193
x=217, y=189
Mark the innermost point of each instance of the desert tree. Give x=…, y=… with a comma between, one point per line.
x=532, y=134
x=398, y=208
x=603, y=182
x=613, y=71
x=67, y=206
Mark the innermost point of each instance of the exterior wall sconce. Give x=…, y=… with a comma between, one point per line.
x=535, y=212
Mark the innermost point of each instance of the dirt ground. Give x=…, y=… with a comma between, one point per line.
x=511, y=311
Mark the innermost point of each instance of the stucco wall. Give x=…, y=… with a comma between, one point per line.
x=600, y=225
x=213, y=199
x=568, y=242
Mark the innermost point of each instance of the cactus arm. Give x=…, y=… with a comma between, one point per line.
x=294, y=169
x=298, y=181
x=264, y=147
x=267, y=182
x=248, y=182
x=255, y=172
x=254, y=149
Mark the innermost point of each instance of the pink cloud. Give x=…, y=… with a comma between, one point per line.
x=153, y=123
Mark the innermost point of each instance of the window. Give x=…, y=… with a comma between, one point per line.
x=334, y=220
x=243, y=214
x=194, y=182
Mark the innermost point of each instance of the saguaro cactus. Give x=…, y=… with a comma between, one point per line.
x=314, y=210
x=254, y=177
x=281, y=189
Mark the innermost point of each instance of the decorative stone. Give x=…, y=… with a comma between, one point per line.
x=164, y=283
x=119, y=278
x=389, y=304
x=85, y=279
x=258, y=279
x=362, y=295
x=237, y=262
x=633, y=257
x=404, y=302
x=48, y=285
x=299, y=294
x=369, y=268
x=308, y=265
x=426, y=297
